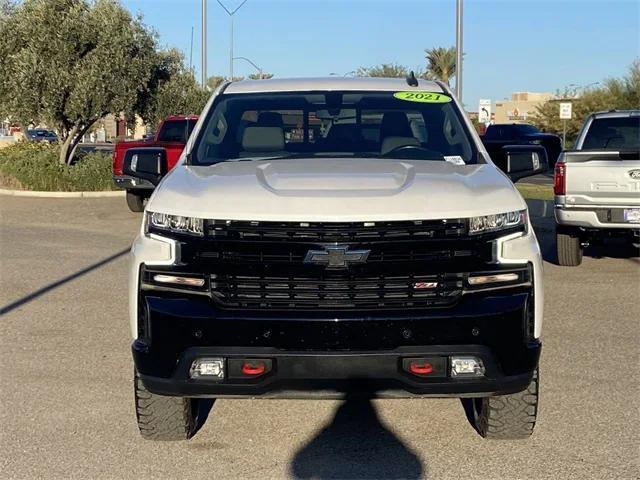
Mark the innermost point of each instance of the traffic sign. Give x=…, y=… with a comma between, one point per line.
x=565, y=111
x=484, y=110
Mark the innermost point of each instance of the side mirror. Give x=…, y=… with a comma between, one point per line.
x=147, y=163
x=524, y=161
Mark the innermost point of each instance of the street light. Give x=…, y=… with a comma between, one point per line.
x=252, y=64
x=459, y=50
x=203, y=49
x=231, y=13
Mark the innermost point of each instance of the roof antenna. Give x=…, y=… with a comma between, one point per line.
x=412, y=81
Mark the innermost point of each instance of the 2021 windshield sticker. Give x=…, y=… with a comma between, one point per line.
x=422, y=97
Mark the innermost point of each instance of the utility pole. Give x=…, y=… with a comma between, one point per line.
x=204, y=44
x=459, y=50
x=191, y=53
x=231, y=13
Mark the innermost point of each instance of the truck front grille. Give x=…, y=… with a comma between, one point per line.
x=384, y=291
x=265, y=265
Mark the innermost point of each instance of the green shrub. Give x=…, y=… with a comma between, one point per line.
x=36, y=167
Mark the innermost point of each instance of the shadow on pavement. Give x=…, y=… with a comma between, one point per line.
x=204, y=406
x=356, y=445
x=47, y=288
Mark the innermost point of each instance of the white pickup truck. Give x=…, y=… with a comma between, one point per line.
x=321, y=237
x=597, y=185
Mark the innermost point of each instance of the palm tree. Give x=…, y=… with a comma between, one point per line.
x=441, y=63
x=384, y=70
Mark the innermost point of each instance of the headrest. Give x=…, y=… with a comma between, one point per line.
x=263, y=139
x=395, y=124
x=270, y=119
x=390, y=143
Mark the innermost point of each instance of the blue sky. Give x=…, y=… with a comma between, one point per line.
x=510, y=45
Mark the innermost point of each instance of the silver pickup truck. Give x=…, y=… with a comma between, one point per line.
x=597, y=185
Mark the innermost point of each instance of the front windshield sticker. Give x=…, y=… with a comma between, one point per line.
x=422, y=97
x=455, y=159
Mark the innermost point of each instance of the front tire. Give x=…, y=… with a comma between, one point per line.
x=569, y=248
x=508, y=417
x=161, y=417
x=135, y=202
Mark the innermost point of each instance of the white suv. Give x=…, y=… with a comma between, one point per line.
x=329, y=236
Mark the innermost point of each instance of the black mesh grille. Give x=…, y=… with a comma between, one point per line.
x=410, y=291
x=266, y=265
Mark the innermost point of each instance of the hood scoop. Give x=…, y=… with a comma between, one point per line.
x=324, y=176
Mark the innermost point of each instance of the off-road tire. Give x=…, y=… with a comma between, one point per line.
x=135, y=202
x=161, y=417
x=508, y=416
x=569, y=248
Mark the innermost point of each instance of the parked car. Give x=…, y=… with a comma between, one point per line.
x=501, y=135
x=41, y=135
x=291, y=255
x=597, y=185
x=172, y=135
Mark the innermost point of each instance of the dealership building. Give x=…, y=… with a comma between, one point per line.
x=521, y=106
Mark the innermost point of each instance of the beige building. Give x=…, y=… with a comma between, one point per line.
x=115, y=128
x=521, y=106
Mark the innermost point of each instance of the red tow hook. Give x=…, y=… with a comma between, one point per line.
x=253, y=368
x=423, y=368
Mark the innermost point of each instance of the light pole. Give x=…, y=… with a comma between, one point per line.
x=203, y=51
x=231, y=13
x=252, y=64
x=459, y=50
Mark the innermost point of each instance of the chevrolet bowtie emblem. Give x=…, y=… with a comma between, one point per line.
x=336, y=257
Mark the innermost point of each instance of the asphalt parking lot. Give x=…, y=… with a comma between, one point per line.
x=67, y=405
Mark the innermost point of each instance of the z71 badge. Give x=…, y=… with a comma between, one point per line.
x=634, y=174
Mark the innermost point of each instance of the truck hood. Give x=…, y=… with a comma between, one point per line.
x=336, y=189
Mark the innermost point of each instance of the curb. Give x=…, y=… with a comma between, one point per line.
x=31, y=193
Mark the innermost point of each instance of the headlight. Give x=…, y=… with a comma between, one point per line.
x=500, y=221
x=174, y=223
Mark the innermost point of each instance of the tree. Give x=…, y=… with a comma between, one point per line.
x=6, y=8
x=441, y=63
x=390, y=70
x=215, y=81
x=177, y=92
x=625, y=92
x=181, y=95
x=69, y=63
x=260, y=76
x=619, y=93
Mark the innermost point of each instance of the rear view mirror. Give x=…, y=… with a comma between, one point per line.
x=524, y=160
x=148, y=163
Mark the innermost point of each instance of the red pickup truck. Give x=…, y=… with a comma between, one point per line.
x=172, y=135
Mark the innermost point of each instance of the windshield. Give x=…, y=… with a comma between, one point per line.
x=403, y=125
x=526, y=129
x=613, y=133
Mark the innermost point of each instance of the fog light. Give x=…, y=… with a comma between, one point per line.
x=466, y=366
x=498, y=278
x=212, y=368
x=188, y=281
